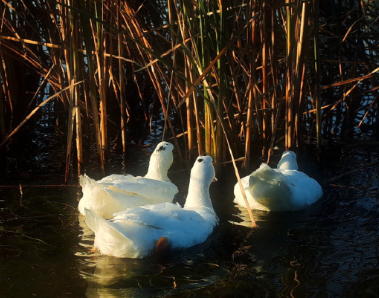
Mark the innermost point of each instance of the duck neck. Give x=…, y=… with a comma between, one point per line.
x=198, y=195
x=157, y=172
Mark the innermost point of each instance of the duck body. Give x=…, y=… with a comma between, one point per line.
x=135, y=232
x=281, y=189
x=115, y=193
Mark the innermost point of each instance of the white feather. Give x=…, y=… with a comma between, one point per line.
x=281, y=189
x=134, y=232
x=118, y=192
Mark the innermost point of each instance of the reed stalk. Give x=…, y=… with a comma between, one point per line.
x=79, y=139
x=2, y=115
x=289, y=87
x=70, y=133
x=222, y=83
x=301, y=55
x=317, y=73
x=2, y=100
x=6, y=88
x=121, y=82
x=276, y=102
x=92, y=86
x=265, y=83
x=185, y=32
x=249, y=119
x=209, y=140
x=244, y=70
x=189, y=109
x=74, y=119
x=2, y=127
x=100, y=44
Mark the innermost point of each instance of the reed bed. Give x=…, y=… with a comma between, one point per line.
x=225, y=77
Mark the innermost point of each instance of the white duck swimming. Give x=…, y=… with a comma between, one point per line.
x=281, y=189
x=115, y=193
x=135, y=232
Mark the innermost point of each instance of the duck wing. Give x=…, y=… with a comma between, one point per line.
x=183, y=227
x=118, y=192
x=305, y=190
x=156, y=191
x=269, y=187
x=121, y=238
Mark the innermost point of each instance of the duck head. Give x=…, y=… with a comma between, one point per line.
x=202, y=175
x=203, y=170
x=288, y=161
x=160, y=161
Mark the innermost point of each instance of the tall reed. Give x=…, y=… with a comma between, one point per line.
x=238, y=75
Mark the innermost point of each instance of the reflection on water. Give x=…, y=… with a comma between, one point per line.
x=104, y=275
x=114, y=277
x=331, y=249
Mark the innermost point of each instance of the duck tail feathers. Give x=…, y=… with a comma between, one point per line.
x=98, y=223
x=89, y=185
x=95, y=197
x=111, y=239
x=85, y=181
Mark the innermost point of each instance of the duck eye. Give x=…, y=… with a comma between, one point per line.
x=161, y=148
x=200, y=160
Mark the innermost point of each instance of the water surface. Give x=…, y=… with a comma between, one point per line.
x=330, y=249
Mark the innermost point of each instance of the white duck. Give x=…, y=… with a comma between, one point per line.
x=115, y=193
x=135, y=232
x=281, y=189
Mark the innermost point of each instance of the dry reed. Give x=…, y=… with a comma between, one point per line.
x=252, y=75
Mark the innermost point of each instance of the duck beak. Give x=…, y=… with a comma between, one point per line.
x=214, y=179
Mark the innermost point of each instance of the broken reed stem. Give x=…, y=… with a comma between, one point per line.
x=253, y=222
x=34, y=111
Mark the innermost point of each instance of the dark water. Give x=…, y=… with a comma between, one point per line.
x=328, y=250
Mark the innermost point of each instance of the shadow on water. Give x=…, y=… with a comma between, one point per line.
x=330, y=249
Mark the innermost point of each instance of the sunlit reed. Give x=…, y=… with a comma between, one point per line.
x=244, y=76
